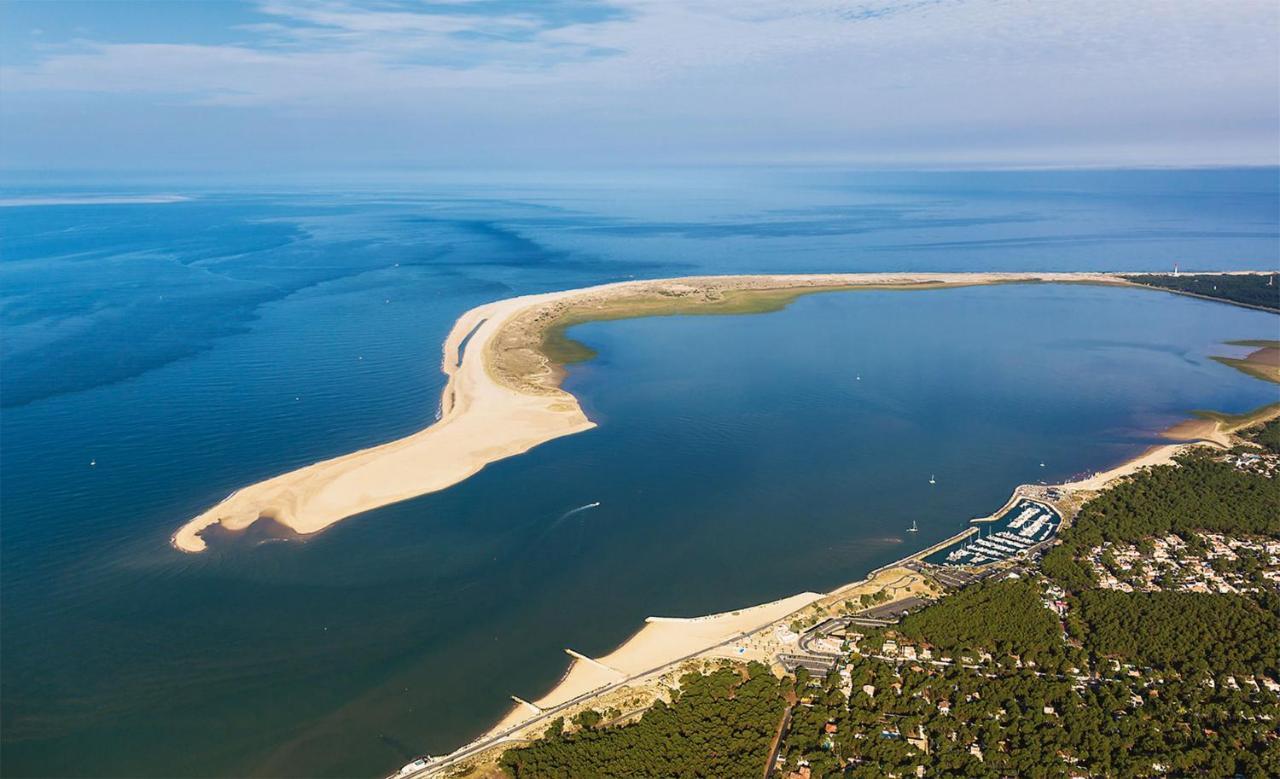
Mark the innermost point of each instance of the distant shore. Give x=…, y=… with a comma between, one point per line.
x=503, y=394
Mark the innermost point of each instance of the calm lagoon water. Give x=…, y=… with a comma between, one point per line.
x=188, y=348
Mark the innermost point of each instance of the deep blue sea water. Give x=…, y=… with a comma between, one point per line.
x=189, y=348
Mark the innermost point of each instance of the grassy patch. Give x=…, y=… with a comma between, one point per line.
x=1256, y=369
x=563, y=350
x=1238, y=421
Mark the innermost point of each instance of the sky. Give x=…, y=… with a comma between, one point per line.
x=370, y=85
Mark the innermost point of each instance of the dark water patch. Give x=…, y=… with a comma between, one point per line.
x=75, y=325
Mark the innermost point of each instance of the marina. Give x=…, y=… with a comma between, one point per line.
x=1024, y=525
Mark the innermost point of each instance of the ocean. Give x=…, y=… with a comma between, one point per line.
x=158, y=355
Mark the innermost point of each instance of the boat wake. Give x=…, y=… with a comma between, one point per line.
x=578, y=510
x=554, y=526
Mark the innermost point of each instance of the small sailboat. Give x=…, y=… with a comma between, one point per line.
x=913, y=528
x=932, y=480
x=1041, y=463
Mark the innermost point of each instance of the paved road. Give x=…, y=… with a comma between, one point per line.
x=893, y=611
x=548, y=714
x=783, y=728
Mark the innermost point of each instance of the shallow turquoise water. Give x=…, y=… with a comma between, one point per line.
x=190, y=348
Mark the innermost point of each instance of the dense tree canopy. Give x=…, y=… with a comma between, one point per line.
x=1183, y=630
x=1268, y=436
x=1011, y=721
x=1000, y=616
x=1251, y=289
x=718, y=725
x=1144, y=684
x=1201, y=493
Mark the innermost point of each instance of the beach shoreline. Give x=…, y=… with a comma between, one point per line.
x=589, y=681
x=502, y=395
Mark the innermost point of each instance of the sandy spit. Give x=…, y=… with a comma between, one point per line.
x=485, y=419
x=481, y=422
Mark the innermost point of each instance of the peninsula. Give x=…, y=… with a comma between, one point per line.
x=505, y=362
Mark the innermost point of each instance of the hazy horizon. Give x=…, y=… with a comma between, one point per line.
x=276, y=87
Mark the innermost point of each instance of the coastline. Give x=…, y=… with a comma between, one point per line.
x=503, y=397
x=592, y=682
x=480, y=422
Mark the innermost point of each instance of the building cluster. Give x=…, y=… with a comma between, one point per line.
x=916, y=672
x=1262, y=463
x=924, y=679
x=912, y=672
x=1207, y=563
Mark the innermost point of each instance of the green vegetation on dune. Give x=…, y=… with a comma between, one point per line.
x=1268, y=436
x=718, y=725
x=1004, y=617
x=548, y=337
x=1253, y=289
x=1237, y=421
x=1196, y=633
x=563, y=350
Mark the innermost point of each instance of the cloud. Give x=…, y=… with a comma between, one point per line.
x=690, y=79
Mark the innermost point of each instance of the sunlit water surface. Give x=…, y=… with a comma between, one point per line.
x=157, y=356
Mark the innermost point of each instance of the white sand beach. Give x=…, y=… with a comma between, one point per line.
x=662, y=642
